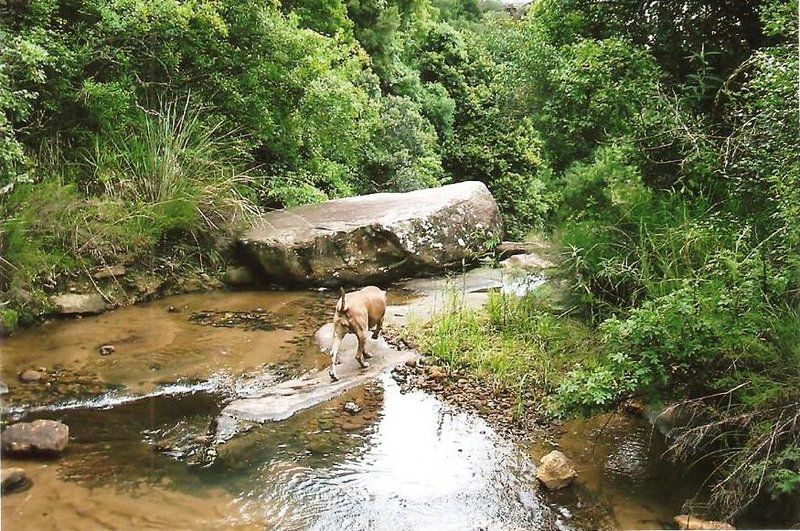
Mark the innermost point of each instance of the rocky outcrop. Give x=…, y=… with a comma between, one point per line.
x=688, y=521
x=374, y=238
x=555, y=471
x=74, y=303
x=48, y=437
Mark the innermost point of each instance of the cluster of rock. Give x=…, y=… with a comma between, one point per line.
x=40, y=438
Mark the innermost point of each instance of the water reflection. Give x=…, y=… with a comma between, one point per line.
x=420, y=466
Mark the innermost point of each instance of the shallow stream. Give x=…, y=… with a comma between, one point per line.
x=139, y=416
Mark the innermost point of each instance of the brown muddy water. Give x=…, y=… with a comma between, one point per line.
x=137, y=418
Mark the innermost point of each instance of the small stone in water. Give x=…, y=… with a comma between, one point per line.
x=14, y=480
x=31, y=376
x=352, y=408
x=105, y=350
x=172, y=309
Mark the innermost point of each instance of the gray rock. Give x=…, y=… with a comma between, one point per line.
x=367, y=239
x=13, y=480
x=37, y=437
x=526, y=261
x=72, y=303
x=116, y=270
x=555, y=471
x=239, y=276
x=352, y=408
x=32, y=376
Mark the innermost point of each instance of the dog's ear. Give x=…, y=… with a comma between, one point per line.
x=344, y=302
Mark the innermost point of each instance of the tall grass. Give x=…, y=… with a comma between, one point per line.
x=176, y=163
x=513, y=343
x=172, y=182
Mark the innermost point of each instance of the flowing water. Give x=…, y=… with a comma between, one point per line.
x=139, y=417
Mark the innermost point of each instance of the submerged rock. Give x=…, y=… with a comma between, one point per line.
x=555, y=471
x=106, y=350
x=688, y=521
x=32, y=376
x=73, y=303
x=352, y=408
x=37, y=437
x=372, y=238
x=13, y=480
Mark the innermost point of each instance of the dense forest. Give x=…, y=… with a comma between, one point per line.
x=656, y=143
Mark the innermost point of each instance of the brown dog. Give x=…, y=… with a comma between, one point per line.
x=357, y=312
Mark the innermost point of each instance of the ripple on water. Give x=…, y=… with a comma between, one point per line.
x=420, y=466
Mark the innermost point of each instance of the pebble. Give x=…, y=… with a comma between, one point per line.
x=106, y=350
x=31, y=376
x=352, y=408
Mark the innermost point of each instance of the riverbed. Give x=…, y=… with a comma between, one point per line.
x=139, y=419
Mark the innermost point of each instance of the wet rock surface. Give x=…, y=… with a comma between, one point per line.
x=74, y=303
x=54, y=384
x=283, y=400
x=367, y=239
x=351, y=408
x=555, y=471
x=258, y=319
x=13, y=479
x=40, y=437
x=31, y=375
x=106, y=350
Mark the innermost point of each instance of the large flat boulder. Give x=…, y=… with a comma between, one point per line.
x=373, y=238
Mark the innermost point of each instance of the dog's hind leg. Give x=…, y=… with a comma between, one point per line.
x=362, y=341
x=378, y=328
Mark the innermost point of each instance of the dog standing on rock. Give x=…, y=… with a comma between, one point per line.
x=357, y=312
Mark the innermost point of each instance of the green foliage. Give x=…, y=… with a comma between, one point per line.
x=403, y=156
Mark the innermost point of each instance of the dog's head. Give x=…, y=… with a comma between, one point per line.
x=341, y=315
